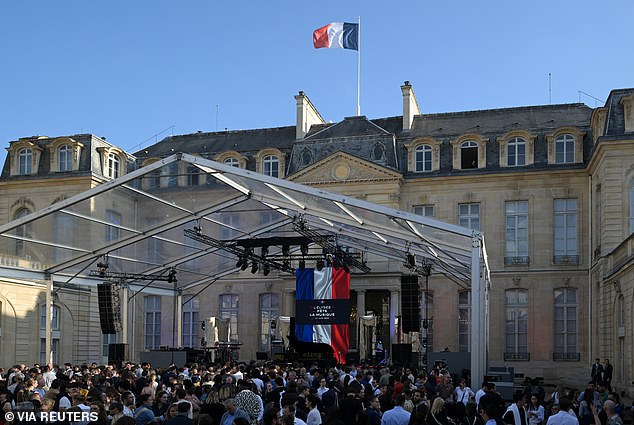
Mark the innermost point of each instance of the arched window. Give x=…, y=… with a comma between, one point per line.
x=468, y=155
x=423, y=158
x=565, y=149
x=378, y=152
x=271, y=165
x=65, y=154
x=25, y=161
x=516, y=152
x=566, y=313
x=269, y=311
x=113, y=164
x=191, y=322
x=152, y=322
x=23, y=231
x=516, y=328
x=232, y=161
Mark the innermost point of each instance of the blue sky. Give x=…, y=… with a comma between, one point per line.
x=128, y=70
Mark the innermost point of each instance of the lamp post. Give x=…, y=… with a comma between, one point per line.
x=425, y=270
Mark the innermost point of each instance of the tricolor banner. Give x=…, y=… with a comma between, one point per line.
x=322, y=312
x=343, y=35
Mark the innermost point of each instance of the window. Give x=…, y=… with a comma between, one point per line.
x=152, y=322
x=113, y=232
x=516, y=329
x=113, y=164
x=106, y=340
x=25, y=161
x=193, y=175
x=232, y=161
x=54, y=337
x=269, y=311
x=516, y=155
x=64, y=229
x=424, y=210
x=469, y=216
x=231, y=222
x=565, y=149
x=566, y=324
x=516, y=230
x=23, y=231
x=378, y=152
x=169, y=175
x=464, y=321
x=565, y=231
x=65, y=158
x=307, y=157
x=191, y=322
x=468, y=155
x=229, y=311
x=632, y=206
x=423, y=160
x=428, y=314
x=271, y=165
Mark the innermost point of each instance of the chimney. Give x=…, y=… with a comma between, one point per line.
x=410, y=106
x=307, y=115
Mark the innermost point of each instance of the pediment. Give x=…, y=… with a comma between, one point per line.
x=341, y=167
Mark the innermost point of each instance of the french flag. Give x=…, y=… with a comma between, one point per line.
x=323, y=309
x=343, y=35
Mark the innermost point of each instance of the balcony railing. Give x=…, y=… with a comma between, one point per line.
x=517, y=357
x=516, y=261
x=566, y=357
x=566, y=259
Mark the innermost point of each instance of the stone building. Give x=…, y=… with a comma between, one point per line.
x=550, y=186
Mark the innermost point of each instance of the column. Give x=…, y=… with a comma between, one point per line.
x=179, y=319
x=394, y=312
x=360, y=312
x=49, y=317
x=289, y=303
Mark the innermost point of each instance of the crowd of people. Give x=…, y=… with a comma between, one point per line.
x=285, y=394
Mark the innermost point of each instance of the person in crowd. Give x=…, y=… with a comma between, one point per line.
x=516, y=412
x=438, y=413
x=314, y=416
x=232, y=412
x=397, y=415
x=182, y=416
x=373, y=412
x=596, y=372
x=607, y=373
x=536, y=412
x=563, y=417
x=462, y=393
x=143, y=414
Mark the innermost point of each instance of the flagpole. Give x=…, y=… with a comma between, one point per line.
x=359, y=67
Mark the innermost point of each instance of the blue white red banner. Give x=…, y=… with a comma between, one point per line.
x=343, y=35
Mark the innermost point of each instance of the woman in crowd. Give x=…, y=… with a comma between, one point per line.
x=536, y=412
x=437, y=413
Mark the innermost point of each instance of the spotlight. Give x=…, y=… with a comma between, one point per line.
x=286, y=250
x=266, y=269
x=411, y=260
x=304, y=249
x=265, y=251
x=320, y=265
x=336, y=263
x=171, y=276
x=245, y=264
x=302, y=264
x=240, y=262
x=254, y=267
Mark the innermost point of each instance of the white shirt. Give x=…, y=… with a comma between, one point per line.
x=479, y=395
x=314, y=417
x=462, y=396
x=562, y=418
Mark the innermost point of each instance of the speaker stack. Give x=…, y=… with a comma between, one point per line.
x=118, y=353
x=410, y=306
x=109, y=308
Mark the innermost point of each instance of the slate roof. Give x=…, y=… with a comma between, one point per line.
x=615, y=122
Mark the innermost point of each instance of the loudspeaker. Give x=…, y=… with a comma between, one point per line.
x=402, y=353
x=261, y=355
x=109, y=315
x=410, y=306
x=291, y=331
x=352, y=356
x=118, y=353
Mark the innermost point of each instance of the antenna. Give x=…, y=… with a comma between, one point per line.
x=550, y=89
x=217, y=113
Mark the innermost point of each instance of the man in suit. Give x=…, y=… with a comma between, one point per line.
x=607, y=373
x=597, y=371
x=181, y=417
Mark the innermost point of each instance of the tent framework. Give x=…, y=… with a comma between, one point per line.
x=139, y=223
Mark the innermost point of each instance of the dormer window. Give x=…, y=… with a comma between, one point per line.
x=307, y=157
x=516, y=152
x=468, y=155
x=113, y=166
x=271, y=166
x=378, y=152
x=232, y=161
x=565, y=149
x=423, y=154
x=565, y=146
x=65, y=158
x=25, y=158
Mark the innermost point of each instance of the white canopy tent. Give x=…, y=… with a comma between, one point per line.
x=138, y=223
